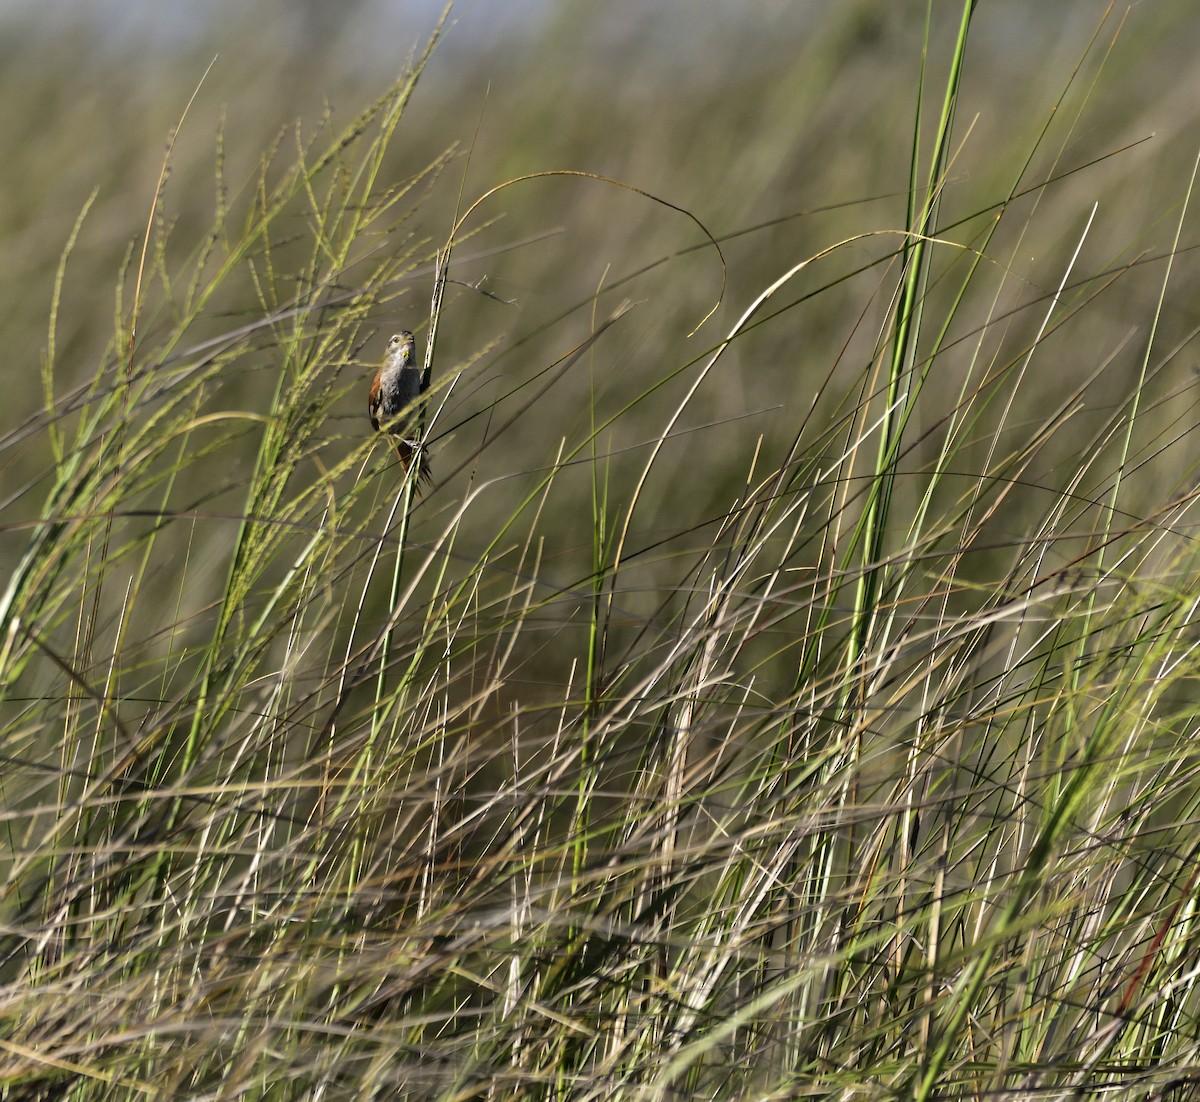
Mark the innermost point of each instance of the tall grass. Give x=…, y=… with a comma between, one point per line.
x=864, y=769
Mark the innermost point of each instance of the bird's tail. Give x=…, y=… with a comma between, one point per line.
x=410, y=452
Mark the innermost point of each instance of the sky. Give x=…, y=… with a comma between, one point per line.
x=378, y=25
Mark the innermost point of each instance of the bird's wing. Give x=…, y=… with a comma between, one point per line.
x=373, y=401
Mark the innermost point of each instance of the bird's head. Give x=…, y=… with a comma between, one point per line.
x=403, y=343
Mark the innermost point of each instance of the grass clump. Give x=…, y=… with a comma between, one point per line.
x=853, y=760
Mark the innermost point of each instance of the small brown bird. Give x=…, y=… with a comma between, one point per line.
x=397, y=384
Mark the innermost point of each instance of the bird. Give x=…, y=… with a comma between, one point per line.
x=396, y=385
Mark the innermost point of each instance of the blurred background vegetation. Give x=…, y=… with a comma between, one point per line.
x=784, y=128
